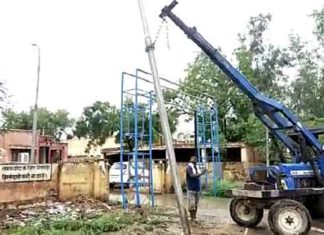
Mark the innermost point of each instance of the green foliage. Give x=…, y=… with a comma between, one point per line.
x=112, y=222
x=66, y=224
x=52, y=123
x=307, y=90
x=97, y=122
x=149, y=228
x=14, y=120
x=143, y=118
x=263, y=64
x=4, y=97
x=157, y=129
x=255, y=132
x=266, y=67
x=101, y=120
x=109, y=223
x=222, y=187
x=34, y=230
x=316, y=122
x=318, y=16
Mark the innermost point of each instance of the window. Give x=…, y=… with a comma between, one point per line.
x=20, y=155
x=232, y=155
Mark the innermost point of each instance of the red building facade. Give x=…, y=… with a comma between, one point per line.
x=15, y=146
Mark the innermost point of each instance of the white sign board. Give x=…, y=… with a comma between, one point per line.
x=25, y=172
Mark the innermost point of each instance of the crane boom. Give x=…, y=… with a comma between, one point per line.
x=274, y=115
x=301, y=181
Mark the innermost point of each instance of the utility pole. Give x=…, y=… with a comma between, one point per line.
x=164, y=123
x=32, y=155
x=267, y=149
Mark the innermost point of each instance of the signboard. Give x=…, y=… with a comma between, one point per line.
x=25, y=172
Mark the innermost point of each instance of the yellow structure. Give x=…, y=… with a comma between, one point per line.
x=89, y=179
x=78, y=146
x=83, y=178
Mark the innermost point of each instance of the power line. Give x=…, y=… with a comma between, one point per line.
x=173, y=83
x=177, y=84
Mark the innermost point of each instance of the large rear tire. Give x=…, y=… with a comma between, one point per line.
x=244, y=214
x=289, y=217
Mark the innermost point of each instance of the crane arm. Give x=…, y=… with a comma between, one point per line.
x=274, y=115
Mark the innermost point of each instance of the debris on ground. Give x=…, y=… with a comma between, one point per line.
x=78, y=208
x=84, y=216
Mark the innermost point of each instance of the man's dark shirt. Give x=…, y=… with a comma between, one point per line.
x=193, y=183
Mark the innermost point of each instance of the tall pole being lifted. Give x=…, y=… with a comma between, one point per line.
x=32, y=159
x=164, y=123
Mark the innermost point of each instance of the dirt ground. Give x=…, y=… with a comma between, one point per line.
x=215, y=212
x=214, y=218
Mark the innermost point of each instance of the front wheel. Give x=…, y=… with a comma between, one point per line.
x=244, y=214
x=289, y=217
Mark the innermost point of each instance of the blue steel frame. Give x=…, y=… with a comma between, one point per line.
x=211, y=114
x=274, y=115
x=138, y=114
x=207, y=137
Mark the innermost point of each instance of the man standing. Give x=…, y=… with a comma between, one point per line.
x=193, y=186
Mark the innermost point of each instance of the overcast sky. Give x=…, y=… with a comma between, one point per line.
x=85, y=45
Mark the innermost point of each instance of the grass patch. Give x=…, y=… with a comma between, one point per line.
x=112, y=222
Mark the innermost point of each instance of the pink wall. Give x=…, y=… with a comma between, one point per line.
x=21, y=138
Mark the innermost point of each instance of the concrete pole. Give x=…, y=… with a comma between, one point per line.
x=267, y=149
x=32, y=155
x=165, y=123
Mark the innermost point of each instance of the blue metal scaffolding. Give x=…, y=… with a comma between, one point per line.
x=136, y=131
x=208, y=145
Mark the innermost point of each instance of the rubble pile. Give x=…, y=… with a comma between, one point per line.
x=84, y=208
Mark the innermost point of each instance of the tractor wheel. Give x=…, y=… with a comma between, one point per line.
x=289, y=217
x=245, y=215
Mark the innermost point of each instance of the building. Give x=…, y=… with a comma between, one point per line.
x=15, y=146
x=233, y=153
x=77, y=147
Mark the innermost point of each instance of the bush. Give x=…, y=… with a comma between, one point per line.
x=106, y=223
x=220, y=187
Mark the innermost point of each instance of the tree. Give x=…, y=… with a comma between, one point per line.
x=97, y=122
x=101, y=120
x=143, y=118
x=318, y=16
x=4, y=101
x=50, y=123
x=15, y=120
x=263, y=64
x=307, y=89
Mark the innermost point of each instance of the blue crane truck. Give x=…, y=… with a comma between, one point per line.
x=292, y=191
